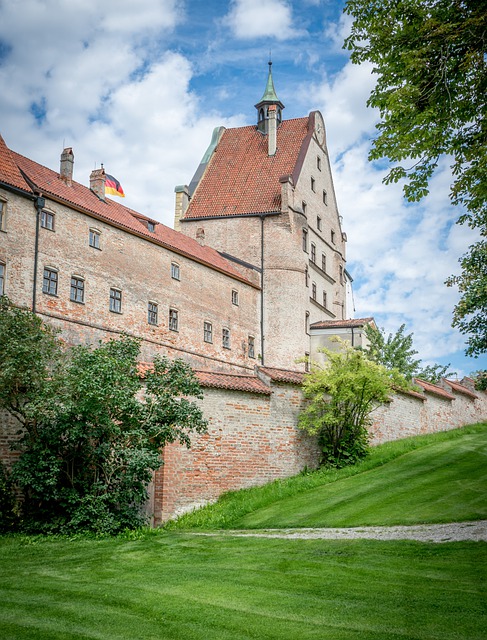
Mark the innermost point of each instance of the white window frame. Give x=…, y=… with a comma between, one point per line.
x=208, y=332
x=175, y=271
x=152, y=313
x=173, y=320
x=50, y=281
x=48, y=220
x=76, y=289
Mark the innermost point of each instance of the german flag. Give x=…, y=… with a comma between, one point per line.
x=113, y=186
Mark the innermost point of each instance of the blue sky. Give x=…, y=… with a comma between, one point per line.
x=139, y=86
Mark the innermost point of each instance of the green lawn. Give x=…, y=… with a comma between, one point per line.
x=426, y=479
x=183, y=586
x=169, y=584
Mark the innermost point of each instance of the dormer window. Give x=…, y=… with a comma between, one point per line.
x=151, y=226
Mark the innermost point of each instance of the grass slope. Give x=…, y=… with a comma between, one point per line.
x=188, y=587
x=426, y=479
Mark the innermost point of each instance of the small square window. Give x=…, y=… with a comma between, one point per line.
x=208, y=332
x=312, y=184
x=234, y=297
x=47, y=220
x=115, y=300
x=151, y=226
x=313, y=290
x=77, y=292
x=325, y=197
x=173, y=320
x=152, y=313
x=318, y=163
x=318, y=223
x=2, y=278
x=94, y=238
x=49, y=282
x=305, y=240
x=251, y=347
x=175, y=273
x=313, y=252
x=226, y=338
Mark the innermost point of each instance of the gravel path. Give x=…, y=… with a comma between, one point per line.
x=455, y=531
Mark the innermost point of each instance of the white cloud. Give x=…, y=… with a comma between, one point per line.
x=261, y=19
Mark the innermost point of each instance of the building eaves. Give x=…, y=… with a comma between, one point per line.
x=460, y=388
x=429, y=387
x=232, y=381
x=283, y=375
x=353, y=323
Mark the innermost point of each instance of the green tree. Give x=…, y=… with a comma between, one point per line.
x=429, y=57
x=396, y=352
x=341, y=395
x=92, y=429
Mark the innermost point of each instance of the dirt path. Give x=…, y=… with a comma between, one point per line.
x=453, y=532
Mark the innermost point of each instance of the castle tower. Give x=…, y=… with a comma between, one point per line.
x=263, y=196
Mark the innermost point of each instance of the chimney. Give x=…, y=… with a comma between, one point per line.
x=97, y=182
x=67, y=162
x=272, y=140
x=182, y=202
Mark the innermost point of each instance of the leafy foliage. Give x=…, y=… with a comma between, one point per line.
x=92, y=431
x=8, y=502
x=396, y=352
x=431, y=67
x=341, y=396
x=480, y=378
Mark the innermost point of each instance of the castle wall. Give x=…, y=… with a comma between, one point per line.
x=141, y=271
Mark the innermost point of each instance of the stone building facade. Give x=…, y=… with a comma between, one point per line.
x=251, y=280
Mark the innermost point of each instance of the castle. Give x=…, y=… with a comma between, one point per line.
x=250, y=283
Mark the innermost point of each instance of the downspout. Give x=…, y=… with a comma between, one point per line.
x=39, y=204
x=262, y=339
x=353, y=337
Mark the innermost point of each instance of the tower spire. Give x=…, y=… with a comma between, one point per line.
x=269, y=98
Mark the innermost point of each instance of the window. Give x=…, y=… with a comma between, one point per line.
x=333, y=236
x=318, y=163
x=77, y=293
x=306, y=276
x=3, y=209
x=306, y=322
x=208, y=332
x=318, y=223
x=94, y=238
x=313, y=290
x=324, y=300
x=306, y=362
x=312, y=184
x=234, y=297
x=151, y=226
x=304, y=205
x=152, y=313
x=325, y=197
x=175, y=271
x=313, y=252
x=2, y=278
x=47, y=220
x=305, y=240
x=226, y=338
x=323, y=262
x=49, y=282
x=173, y=320
x=251, y=347
x=115, y=300
x=341, y=274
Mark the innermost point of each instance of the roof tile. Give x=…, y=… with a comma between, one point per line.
x=9, y=171
x=460, y=388
x=283, y=375
x=76, y=194
x=241, y=178
x=342, y=324
x=433, y=388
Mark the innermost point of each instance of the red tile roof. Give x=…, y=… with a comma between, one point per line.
x=283, y=375
x=233, y=381
x=82, y=198
x=352, y=323
x=433, y=388
x=9, y=171
x=241, y=178
x=459, y=388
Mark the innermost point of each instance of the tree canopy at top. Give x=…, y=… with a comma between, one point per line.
x=431, y=65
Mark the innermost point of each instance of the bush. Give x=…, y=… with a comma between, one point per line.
x=8, y=503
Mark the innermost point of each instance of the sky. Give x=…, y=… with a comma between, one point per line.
x=140, y=85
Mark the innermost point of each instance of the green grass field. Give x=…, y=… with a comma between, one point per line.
x=180, y=585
